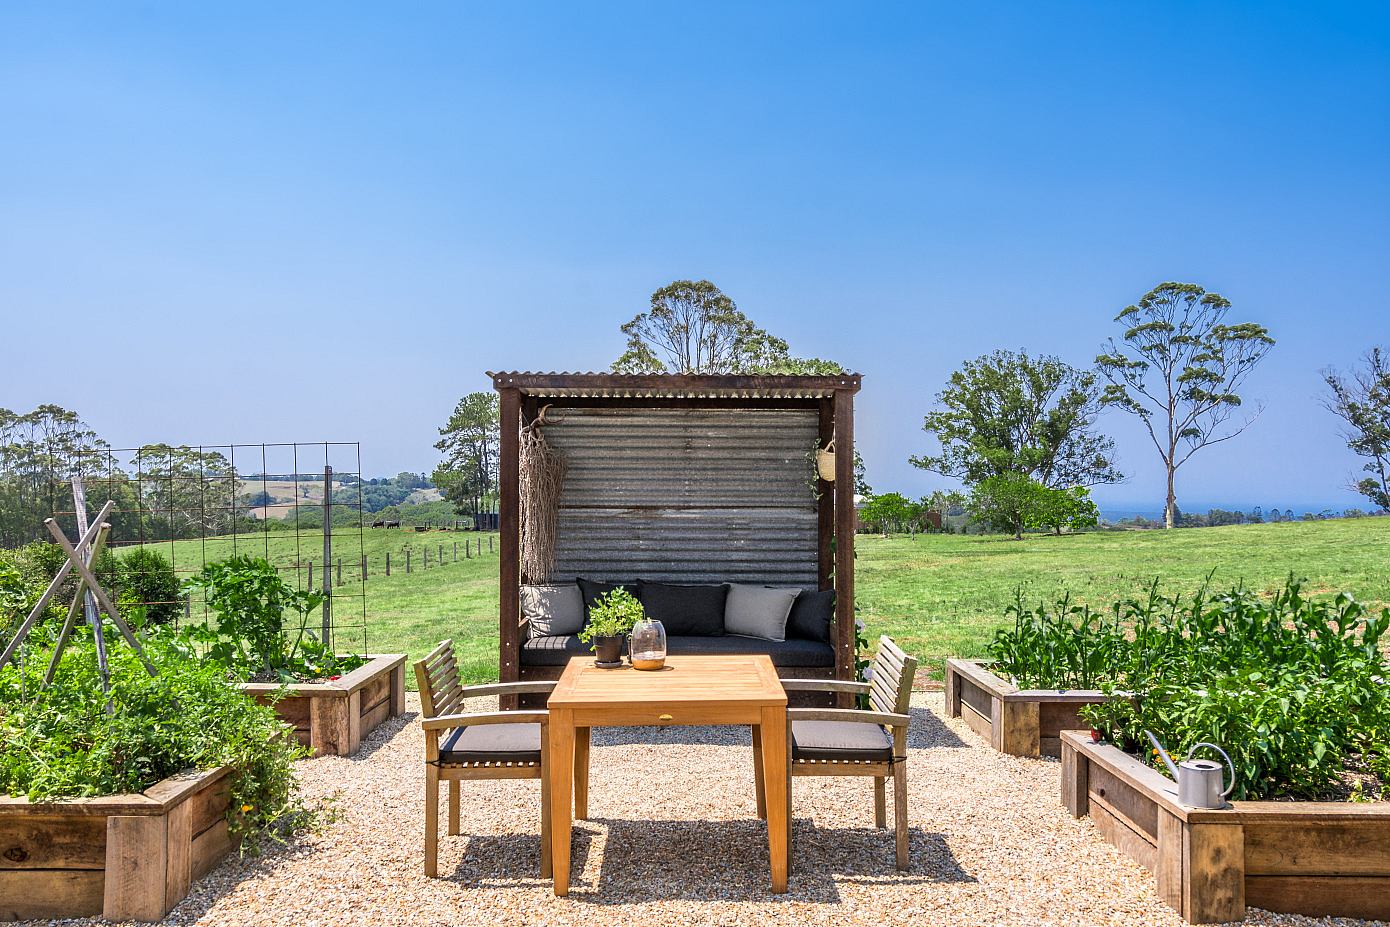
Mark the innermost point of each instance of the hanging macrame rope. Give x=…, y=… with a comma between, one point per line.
x=542, y=476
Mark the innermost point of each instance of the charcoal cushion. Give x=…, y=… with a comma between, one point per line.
x=840, y=740
x=811, y=615
x=696, y=611
x=557, y=651
x=553, y=609
x=594, y=589
x=492, y=743
x=758, y=611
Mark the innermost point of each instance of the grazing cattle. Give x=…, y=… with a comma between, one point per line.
x=378, y=524
x=393, y=524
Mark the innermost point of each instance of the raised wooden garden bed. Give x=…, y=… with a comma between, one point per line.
x=1315, y=858
x=1024, y=722
x=124, y=857
x=331, y=718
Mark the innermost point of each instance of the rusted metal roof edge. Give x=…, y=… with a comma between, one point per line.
x=676, y=386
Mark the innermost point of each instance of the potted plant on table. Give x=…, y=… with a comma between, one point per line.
x=611, y=619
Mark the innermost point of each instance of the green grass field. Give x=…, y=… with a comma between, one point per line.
x=938, y=595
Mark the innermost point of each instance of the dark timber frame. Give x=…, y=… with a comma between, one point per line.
x=832, y=397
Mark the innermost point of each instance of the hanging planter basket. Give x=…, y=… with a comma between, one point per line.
x=825, y=462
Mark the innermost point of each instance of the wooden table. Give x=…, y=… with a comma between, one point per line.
x=690, y=690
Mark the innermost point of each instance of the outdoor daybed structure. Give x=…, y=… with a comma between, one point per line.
x=686, y=479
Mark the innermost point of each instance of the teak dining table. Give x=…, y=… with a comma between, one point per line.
x=689, y=690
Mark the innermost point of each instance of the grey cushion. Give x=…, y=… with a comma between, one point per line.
x=492, y=743
x=553, y=609
x=758, y=611
x=556, y=651
x=840, y=740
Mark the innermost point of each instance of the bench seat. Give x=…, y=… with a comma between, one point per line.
x=557, y=650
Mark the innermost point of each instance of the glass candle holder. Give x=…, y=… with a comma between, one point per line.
x=648, y=647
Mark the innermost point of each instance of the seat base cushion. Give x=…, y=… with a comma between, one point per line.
x=840, y=740
x=492, y=743
x=557, y=651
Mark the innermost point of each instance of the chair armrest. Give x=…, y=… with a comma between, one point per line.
x=507, y=688
x=847, y=714
x=824, y=685
x=467, y=719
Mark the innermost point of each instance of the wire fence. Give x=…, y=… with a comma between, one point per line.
x=300, y=506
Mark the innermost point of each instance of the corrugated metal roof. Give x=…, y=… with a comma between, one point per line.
x=560, y=384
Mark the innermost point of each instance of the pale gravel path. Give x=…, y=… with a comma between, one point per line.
x=674, y=840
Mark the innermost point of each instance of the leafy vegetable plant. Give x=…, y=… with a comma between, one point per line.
x=252, y=600
x=63, y=742
x=1294, y=688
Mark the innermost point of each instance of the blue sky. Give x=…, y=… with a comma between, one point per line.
x=297, y=221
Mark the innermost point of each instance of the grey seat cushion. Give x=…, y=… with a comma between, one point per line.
x=556, y=608
x=556, y=651
x=840, y=740
x=492, y=743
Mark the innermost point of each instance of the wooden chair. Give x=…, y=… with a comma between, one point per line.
x=462, y=745
x=850, y=742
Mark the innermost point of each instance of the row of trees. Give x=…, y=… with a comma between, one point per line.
x=161, y=492
x=1019, y=430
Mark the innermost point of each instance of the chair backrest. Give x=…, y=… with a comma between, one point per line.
x=438, y=678
x=891, y=687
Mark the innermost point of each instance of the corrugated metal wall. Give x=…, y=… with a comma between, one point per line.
x=687, y=495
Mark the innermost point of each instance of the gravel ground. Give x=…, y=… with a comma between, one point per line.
x=674, y=839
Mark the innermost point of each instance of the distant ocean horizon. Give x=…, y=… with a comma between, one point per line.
x=1121, y=511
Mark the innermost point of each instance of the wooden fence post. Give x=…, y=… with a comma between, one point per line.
x=407, y=559
x=388, y=563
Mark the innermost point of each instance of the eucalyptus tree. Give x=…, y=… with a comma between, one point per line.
x=691, y=326
x=1179, y=367
x=1361, y=400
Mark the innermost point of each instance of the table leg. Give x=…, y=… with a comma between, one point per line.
x=774, y=751
x=581, y=773
x=758, y=770
x=561, y=797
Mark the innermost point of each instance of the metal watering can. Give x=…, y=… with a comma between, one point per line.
x=1199, y=781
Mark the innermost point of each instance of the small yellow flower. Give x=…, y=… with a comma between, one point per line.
x=246, y=808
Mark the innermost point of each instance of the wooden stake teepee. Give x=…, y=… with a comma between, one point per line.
x=90, y=595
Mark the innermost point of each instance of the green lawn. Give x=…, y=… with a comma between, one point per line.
x=939, y=596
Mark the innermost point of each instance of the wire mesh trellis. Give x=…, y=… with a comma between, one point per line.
x=199, y=504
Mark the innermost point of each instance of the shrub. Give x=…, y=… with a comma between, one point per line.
x=146, y=580
x=62, y=742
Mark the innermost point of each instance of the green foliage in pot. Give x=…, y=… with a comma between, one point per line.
x=252, y=601
x=612, y=615
x=62, y=742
